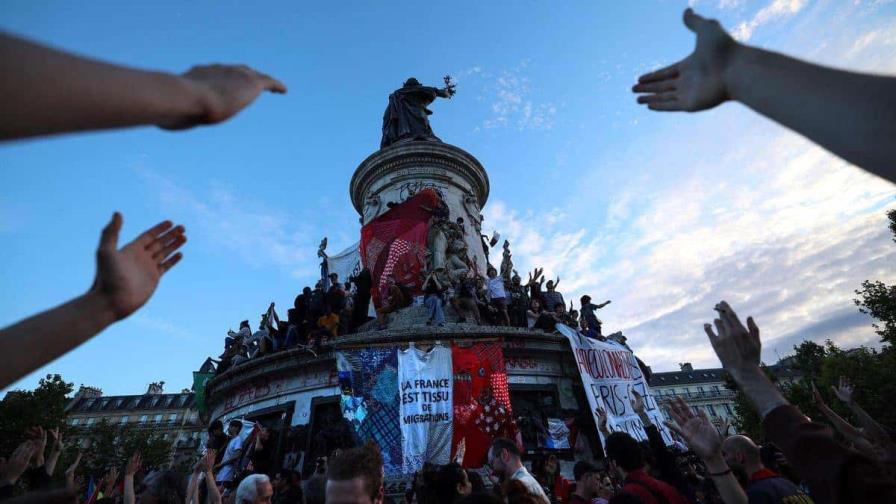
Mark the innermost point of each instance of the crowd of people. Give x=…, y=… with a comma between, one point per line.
x=848, y=113
x=333, y=309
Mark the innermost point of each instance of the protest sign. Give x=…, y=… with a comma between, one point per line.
x=425, y=385
x=609, y=373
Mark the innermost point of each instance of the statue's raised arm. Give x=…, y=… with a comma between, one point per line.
x=406, y=117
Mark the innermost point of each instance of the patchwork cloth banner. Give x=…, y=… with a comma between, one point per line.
x=481, y=400
x=609, y=373
x=368, y=379
x=425, y=384
x=395, y=243
x=418, y=405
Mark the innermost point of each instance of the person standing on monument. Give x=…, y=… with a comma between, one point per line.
x=588, y=309
x=497, y=295
x=406, y=117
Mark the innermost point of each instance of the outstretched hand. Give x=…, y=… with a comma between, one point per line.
x=224, y=91
x=844, y=390
x=698, y=81
x=696, y=430
x=134, y=464
x=127, y=277
x=70, y=472
x=737, y=347
x=11, y=469
x=601, y=420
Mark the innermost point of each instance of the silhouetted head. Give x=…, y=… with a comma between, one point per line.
x=411, y=82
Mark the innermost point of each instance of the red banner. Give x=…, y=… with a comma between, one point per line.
x=482, y=409
x=395, y=243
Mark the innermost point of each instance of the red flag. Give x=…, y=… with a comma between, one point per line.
x=482, y=409
x=395, y=243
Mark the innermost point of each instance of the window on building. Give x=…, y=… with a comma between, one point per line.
x=172, y=417
x=124, y=419
x=144, y=418
x=715, y=389
x=696, y=410
x=702, y=392
x=90, y=421
x=727, y=409
x=712, y=411
x=158, y=418
x=74, y=421
x=687, y=391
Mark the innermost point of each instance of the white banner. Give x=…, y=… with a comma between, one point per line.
x=609, y=373
x=425, y=383
x=345, y=263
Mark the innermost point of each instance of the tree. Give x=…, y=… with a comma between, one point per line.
x=879, y=299
x=108, y=445
x=869, y=370
x=43, y=406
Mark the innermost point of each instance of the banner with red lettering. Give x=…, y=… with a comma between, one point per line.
x=609, y=373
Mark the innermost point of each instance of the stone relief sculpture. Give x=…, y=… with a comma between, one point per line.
x=372, y=206
x=457, y=261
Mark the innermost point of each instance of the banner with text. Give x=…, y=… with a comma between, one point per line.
x=425, y=383
x=609, y=373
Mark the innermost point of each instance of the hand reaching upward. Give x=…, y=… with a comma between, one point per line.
x=737, y=347
x=696, y=429
x=844, y=390
x=698, y=81
x=127, y=277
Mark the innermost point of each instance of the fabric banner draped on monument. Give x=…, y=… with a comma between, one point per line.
x=481, y=400
x=609, y=373
x=395, y=243
x=346, y=263
x=418, y=405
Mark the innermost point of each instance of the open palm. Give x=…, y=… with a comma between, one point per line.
x=696, y=429
x=696, y=82
x=127, y=277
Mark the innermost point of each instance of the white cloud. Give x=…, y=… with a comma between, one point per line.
x=512, y=103
x=787, y=245
x=237, y=222
x=775, y=10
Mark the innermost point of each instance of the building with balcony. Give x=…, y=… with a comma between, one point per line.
x=705, y=388
x=173, y=416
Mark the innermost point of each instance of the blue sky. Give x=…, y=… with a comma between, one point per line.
x=663, y=214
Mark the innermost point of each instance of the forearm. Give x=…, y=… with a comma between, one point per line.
x=760, y=390
x=51, y=334
x=872, y=428
x=192, y=489
x=727, y=485
x=129, y=489
x=50, y=465
x=214, y=496
x=853, y=115
x=50, y=91
x=839, y=423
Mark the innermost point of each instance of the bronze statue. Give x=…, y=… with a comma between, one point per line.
x=406, y=116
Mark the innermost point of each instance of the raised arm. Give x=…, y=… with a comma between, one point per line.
x=45, y=91
x=603, y=304
x=704, y=440
x=851, y=114
x=131, y=469
x=55, y=451
x=208, y=461
x=828, y=468
x=125, y=280
x=873, y=430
